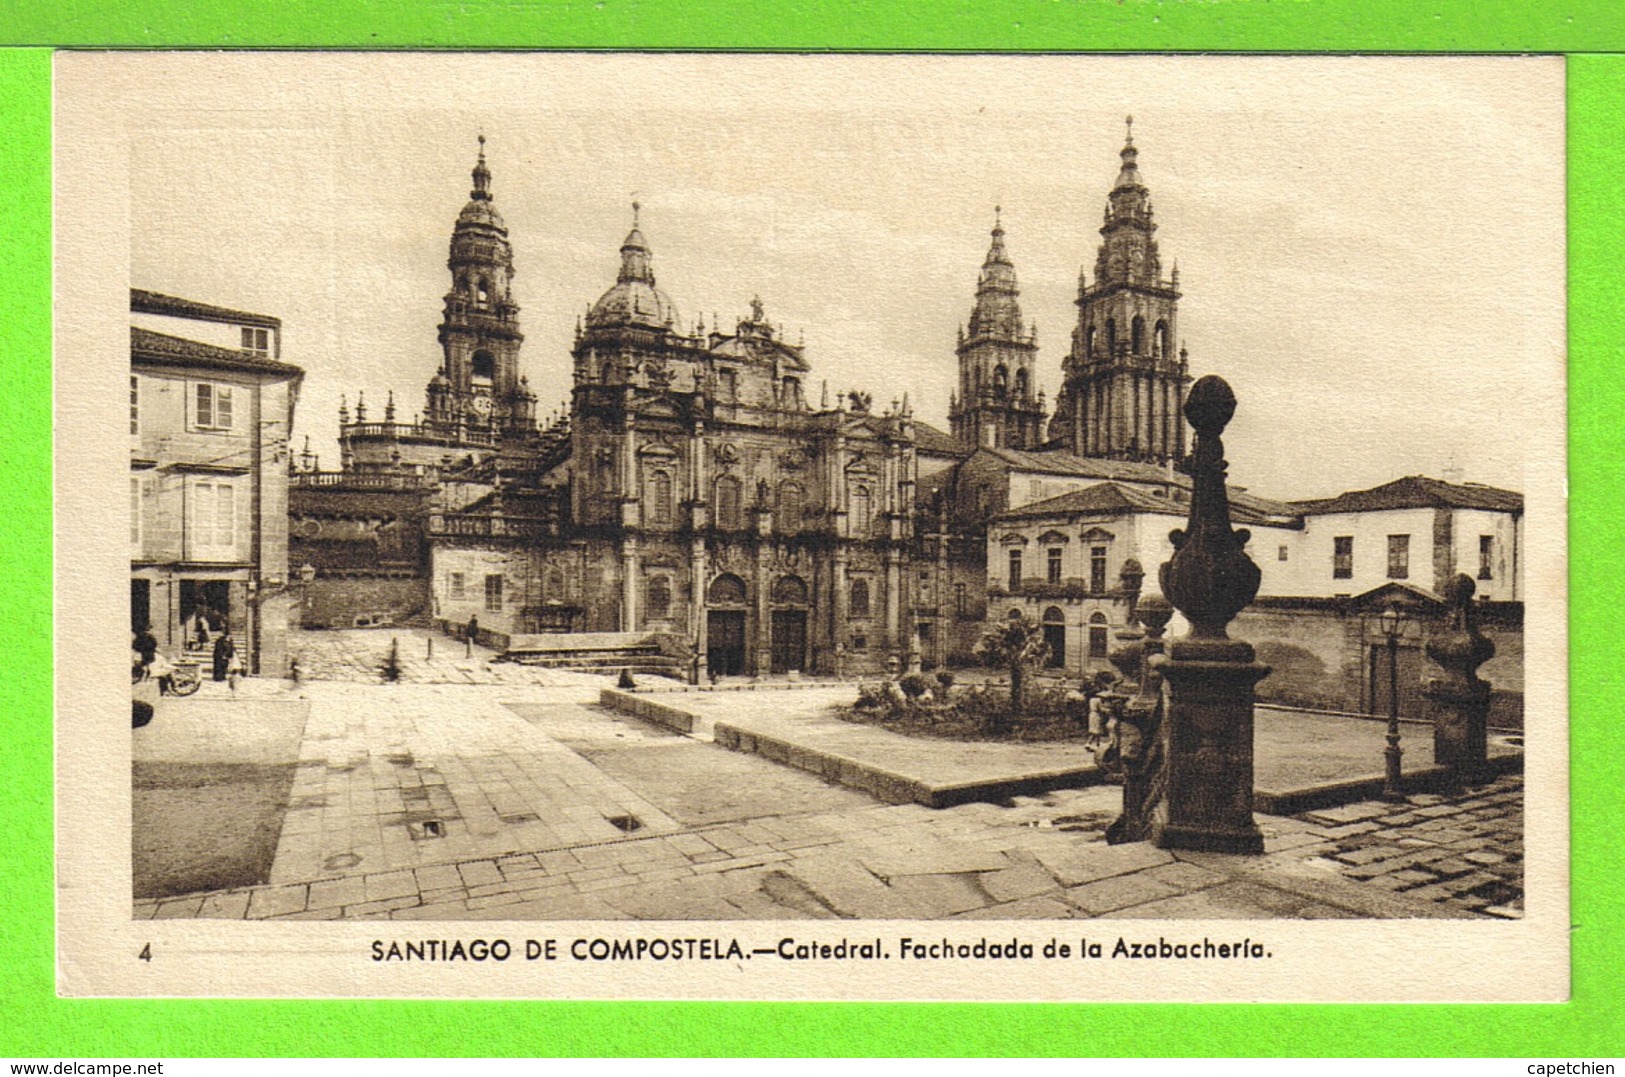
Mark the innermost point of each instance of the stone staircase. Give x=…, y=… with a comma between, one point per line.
x=595, y=652
x=204, y=656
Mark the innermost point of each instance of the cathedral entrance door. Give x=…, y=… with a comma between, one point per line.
x=789, y=640
x=725, y=642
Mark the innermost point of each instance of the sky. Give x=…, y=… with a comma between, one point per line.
x=1370, y=250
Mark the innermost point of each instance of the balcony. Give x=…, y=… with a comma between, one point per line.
x=492, y=527
x=359, y=480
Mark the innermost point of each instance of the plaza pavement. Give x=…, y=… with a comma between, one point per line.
x=473, y=790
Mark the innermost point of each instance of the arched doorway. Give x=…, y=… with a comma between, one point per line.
x=725, y=626
x=1055, y=636
x=789, y=624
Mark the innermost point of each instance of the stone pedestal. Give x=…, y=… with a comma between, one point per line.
x=1461, y=719
x=1459, y=702
x=1208, y=726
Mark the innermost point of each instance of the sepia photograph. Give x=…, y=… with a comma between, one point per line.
x=835, y=527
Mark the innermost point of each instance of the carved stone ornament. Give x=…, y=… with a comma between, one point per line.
x=1210, y=578
x=1462, y=649
x=727, y=454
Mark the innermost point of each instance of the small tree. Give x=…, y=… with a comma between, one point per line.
x=1018, y=645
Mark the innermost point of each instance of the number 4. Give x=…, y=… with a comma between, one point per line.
x=146, y=952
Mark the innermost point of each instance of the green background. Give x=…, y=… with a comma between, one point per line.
x=34, y=1022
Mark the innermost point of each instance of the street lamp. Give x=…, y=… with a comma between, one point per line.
x=1393, y=625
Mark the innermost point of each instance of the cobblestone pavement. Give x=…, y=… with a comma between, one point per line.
x=1465, y=851
x=726, y=836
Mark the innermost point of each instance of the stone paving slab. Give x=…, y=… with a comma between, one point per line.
x=797, y=729
x=405, y=776
x=379, y=758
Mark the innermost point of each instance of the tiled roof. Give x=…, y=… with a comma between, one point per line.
x=1416, y=492
x=929, y=439
x=147, y=346
x=1102, y=497
x=1065, y=463
x=1112, y=497
x=145, y=302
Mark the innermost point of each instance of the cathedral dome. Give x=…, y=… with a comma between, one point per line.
x=482, y=212
x=634, y=299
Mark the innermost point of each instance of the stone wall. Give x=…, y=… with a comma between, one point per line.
x=1316, y=650
x=338, y=602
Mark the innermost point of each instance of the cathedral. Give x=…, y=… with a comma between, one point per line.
x=697, y=491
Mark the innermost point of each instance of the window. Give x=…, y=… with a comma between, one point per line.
x=858, y=599
x=862, y=513
x=658, y=598
x=1343, y=557
x=457, y=585
x=959, y=601
x=135, y=513
x=212, y=407
x=790, y=507
x=493, y=593
x=1281, y=554
x=135, y=404
x=1054, y=555
x=728, y=489
x=792, y=392
x=1097, y=635
x=1015, y=570
x=925, y=589
x=728, y=385
x=860, y=643
x=257, y=341
x=659, y=507
x=1399, y=556
x=483, y=368
x=1486, y=557
x=1097, y=569
x=214, y=521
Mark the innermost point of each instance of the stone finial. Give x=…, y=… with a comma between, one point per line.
x=1210, y=578
x=1462, y=649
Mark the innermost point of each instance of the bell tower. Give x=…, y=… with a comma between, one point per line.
x=1125, y=381
x=998, y=403
x=478, y=385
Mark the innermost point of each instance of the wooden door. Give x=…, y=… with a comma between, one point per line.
x=789, y=640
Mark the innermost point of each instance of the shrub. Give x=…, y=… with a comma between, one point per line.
x=914, y=685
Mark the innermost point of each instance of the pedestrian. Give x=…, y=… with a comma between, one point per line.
x=146, y=644
x=200, y=628
x=224, y=650
x=163, y=671
x=234, y=669
x=473, y=628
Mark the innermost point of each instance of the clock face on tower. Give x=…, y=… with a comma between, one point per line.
x=482, y=406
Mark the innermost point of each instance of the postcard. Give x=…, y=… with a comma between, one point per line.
x=811, y=527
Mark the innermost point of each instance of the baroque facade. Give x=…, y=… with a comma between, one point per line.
x=694, y=492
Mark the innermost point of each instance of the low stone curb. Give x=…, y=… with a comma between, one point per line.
x=1369, y=787
x=643, y=707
